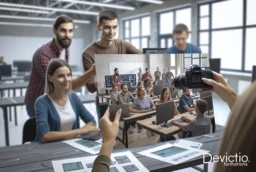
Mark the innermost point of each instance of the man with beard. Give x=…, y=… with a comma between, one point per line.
x=63, y=30
x=174, y=91
x=147, y=78
x=125, y=97
x=116, y=79
x=186, y=103
x=107, y=44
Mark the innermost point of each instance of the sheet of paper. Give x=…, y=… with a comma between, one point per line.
x=174, y=154
x=90, y=146
x=189, y=144
x=121, y=162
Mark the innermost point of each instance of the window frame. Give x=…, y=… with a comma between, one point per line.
x=140, y=37
x=243, y=27
x=168, y=36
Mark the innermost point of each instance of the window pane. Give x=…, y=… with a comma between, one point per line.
x=127, y=24
x=204, y=23
x=127, y=33
x=145, y=26
x=251, y=12
x=250, y=58
x=169, y=42
x=184, y=16
x=144, y=42
x=187, y=62
x=173, y=63
x=204, y=38
x=204, y=62
x=196, y=62
x=227, y=14
x=230, y=53
x=205, y=49
x=136, y=43
x=204, y=10
x=166, y=23
x=163, y=43
x=135, y=25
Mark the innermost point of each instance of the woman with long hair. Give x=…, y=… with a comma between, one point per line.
x=58, y=111
x=166, y=97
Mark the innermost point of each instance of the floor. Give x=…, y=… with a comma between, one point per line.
x=15, y=132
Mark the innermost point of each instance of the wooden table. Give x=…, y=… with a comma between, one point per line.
x=166, y=131
x=131, y=119
x=38, y=157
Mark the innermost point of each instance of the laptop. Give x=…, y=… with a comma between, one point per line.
x=164, y=112
x=114, y=108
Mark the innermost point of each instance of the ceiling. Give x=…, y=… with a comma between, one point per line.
x=33, y=11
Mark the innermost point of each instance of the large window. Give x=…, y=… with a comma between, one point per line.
x=228, y=33
x=167, y=21
x=137, y=31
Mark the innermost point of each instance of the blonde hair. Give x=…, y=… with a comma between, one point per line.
x=53, y=65
x=239, y=135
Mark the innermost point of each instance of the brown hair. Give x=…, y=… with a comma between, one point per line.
x=138, y=91
x=162, y=94
x=202, y=105
x=60, y=20
x=139, y=83
x=238, y=137
x=179, y=28
x=106, y=15
x=53, y=65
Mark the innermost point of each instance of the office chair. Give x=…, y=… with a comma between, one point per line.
x=29, y=130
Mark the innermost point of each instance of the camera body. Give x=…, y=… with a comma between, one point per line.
x=192, y=78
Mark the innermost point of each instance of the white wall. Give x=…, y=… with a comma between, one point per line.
x=20, y=42
x=23, y=48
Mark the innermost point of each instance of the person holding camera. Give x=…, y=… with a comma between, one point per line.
x=199, y=126
x=186, y=103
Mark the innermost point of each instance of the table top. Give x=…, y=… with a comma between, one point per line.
x=139, y=115
x=16, y=85
x=147, y=123
x=12, y=78
x=38, y=157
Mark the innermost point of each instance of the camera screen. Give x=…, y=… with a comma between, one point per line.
x=196, y=78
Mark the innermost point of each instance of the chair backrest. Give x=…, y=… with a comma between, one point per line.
x=29, y=130
x=26, y=78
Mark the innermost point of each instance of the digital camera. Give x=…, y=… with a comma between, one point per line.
x=192, y=78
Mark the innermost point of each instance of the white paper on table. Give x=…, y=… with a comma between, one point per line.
x=189, y=144
x=173, y=154
x=90, y=146
x=121, y=162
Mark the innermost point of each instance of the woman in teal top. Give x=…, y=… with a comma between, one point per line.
x=59, y=109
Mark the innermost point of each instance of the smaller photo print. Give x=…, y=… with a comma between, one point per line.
x=164, y=153
x=113, y=169
x=87, y=143
x=96, y=149
x=122, y=159
x=89, y=165
x=72, y=166
x=130, y=168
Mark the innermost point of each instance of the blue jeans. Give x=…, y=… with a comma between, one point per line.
x=30, y=110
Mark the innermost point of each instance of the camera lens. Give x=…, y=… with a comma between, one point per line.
x=179, y=82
